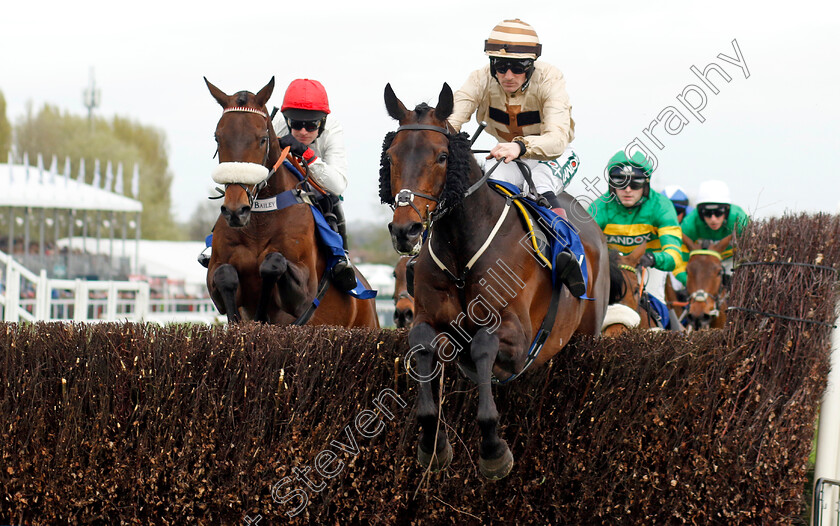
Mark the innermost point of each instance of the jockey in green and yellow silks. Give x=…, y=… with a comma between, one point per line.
x=631, y=215
x=714, y=218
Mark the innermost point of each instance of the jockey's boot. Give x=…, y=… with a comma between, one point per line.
x=569, y=273
x=566, y=265
x=204, y=256
x=204, y=260
x=343, y=274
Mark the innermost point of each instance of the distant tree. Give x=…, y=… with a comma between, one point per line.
x=120, y=140
x=370, y=243
x=5, y=131
x=202, y=220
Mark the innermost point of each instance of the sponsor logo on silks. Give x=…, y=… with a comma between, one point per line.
x=565, y=167
x=629, y=241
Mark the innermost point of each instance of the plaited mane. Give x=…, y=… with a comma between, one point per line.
x=385, y=171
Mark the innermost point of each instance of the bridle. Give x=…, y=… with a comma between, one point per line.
x=257, y=187
x=701, y=295
x=405, y=197
x=641, y=278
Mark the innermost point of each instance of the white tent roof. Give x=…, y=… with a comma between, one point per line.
x=23, y=185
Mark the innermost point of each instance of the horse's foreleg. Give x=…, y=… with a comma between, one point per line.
x=434, y=449
x=226, y=281
x=292, y=283
x=495, y=459
x=271, y=269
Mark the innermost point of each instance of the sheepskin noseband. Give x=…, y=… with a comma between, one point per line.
x=243, y=173
x=618, y=313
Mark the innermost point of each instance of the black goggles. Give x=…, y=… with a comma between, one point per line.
x=517, y=67
x=714, y=211
x=310, y=126
x=623, y=181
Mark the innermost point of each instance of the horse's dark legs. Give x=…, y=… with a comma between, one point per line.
x=495, y=459
x=438, y=454
x=292, y=282
x=273, y=266
x=227, y=281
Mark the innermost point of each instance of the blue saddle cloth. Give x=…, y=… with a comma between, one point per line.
x=660, y=309
x=565, y=234
x=332, y=241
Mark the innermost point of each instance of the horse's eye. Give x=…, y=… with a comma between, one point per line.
x=263, y=141
x=442, y=158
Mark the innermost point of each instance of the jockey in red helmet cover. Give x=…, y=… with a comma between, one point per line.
x=318, y=141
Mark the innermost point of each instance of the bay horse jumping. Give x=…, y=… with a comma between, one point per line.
x=479, y=293
x=267, y=265
x=704, y=283
x=403, y=300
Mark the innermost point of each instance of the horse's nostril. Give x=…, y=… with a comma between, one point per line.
x=415, y=229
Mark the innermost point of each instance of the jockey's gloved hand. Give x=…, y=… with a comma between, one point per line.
x=295, y=146
x=647, y=260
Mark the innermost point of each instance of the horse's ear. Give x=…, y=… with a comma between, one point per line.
x=445, y=103
x=220, y=96
x=689, y=243
x=637, y=254
x=265, y=93
x=395, y=108
x=721, y=245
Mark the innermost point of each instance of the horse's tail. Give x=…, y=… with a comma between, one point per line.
x=618, y=287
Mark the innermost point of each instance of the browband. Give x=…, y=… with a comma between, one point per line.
x=248, y=110
x=427, y=127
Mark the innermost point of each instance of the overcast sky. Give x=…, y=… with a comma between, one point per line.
x=773, y=136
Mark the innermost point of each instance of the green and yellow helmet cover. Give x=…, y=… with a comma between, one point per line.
x=638, y=159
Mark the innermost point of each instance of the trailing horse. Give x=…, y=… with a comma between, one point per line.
x=482, y=294
x=403, y=300
x=704, y=283
x=266, y=264
x=633, y=308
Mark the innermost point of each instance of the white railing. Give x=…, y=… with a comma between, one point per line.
x=26, y=296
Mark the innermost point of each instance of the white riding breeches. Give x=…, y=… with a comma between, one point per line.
x=548, y=176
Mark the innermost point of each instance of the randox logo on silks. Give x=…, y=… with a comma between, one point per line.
x=628, y=241
x=565, y=167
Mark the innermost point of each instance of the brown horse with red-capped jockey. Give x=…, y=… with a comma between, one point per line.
x=266, y=264
x=481, y=294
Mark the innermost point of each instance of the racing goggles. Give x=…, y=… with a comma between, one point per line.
x=713, y=210
x=516, y=66
x=622, y=176
x=310, y=126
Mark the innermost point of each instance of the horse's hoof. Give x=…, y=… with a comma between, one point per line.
x=437, y=462
x=496, y=468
